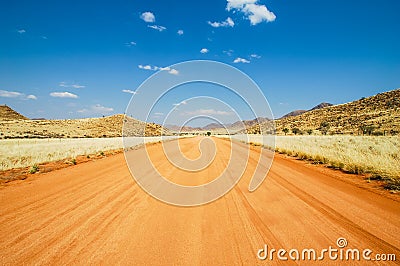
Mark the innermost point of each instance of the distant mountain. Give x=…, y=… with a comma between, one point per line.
x=213, y=126
x=380, y=114
x=176, y=128
x=218, y=128
x=299, y=112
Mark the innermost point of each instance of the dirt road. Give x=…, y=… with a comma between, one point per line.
x=95, y=213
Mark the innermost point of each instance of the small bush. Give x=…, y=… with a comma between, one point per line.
x=393, y=184
x=296, y=131
x=34, y=169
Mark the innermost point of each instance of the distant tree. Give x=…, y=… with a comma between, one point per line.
x=370, y=130
x=208, y=133
x=363, y=130
x=296, y=131
x=309, y=131
x=285, y=130
x=367, y=130
x=324, y=127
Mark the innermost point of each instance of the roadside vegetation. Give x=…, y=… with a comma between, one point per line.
x=377, y=156
x=18, y=153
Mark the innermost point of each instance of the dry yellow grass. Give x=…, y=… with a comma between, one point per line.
x=378, y=155
x=355, y=154
x=16, y=153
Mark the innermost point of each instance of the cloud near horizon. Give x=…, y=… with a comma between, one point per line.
x=129, y=91
x=207, y=112
x=75, y=86
x=204, y=51
x=63, y=95
x=96, y=109
x=181, y=103
x=16, y=94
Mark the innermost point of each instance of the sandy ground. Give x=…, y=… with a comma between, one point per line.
x=95, y=213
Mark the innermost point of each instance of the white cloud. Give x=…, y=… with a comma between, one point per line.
x=101, y=109
x=21, y=31
x=180, y=32
x=146, y=67
x=238, y=4
x=31, y=97
x=130, y=91
x=16, y=94
x=207, y=112
x=10, y=94
x=156, y=68
x=96, y=109
x=157, y=27
x=241, y=60
x=63, y=95
x=258, y=14
x=255, y=56
x=229, y=52
x=162, y=68
x=255, y=13
x=174, y=72
x=181, y=103
x=204, y=51
x=75, y=86
x=148, y=17
x=129, y=44
x=226, y=23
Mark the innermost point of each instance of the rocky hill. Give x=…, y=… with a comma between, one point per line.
x=110, y=126
x=8, y=114
x=379, y=114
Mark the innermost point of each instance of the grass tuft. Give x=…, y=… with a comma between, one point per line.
x=34, y=169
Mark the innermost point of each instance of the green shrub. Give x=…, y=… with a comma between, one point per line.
x=34, y=169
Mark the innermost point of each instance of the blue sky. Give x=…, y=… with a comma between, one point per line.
x=72, y=59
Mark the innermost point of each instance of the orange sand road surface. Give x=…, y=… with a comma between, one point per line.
x=96, y=213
